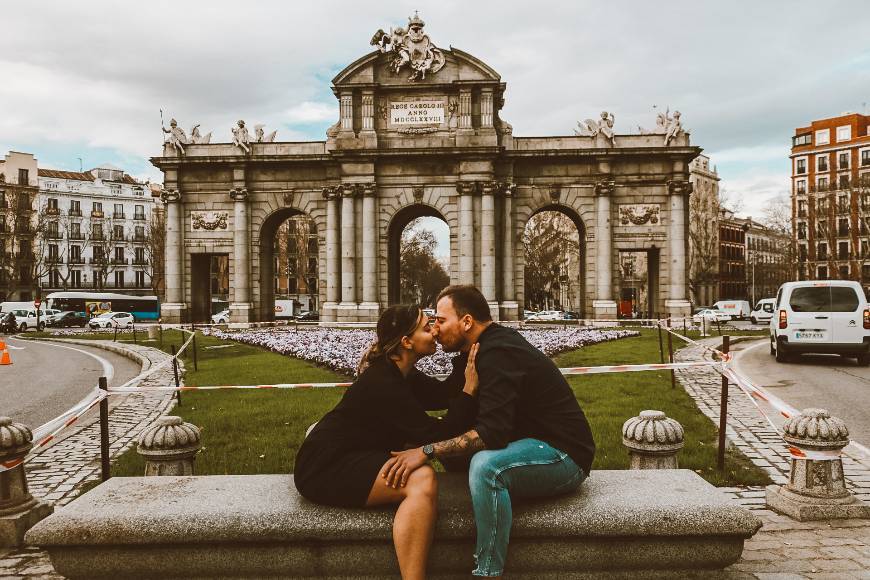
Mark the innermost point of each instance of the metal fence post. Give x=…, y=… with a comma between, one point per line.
x=193, y=344
x=175, y=372
x=723, y=409
x=104, y=432
x=661, y=348
x=160, y=326
x=671, y=355
x=115, y=339
x=134, y=332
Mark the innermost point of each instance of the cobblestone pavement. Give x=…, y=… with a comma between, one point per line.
x=783, y=549
x=58, y=473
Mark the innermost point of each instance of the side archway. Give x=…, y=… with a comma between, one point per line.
x=268, y=232
x=398, y=223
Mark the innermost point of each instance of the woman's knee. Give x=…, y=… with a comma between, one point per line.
x=423, y=482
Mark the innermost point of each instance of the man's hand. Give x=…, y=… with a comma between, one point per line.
x=398, y=468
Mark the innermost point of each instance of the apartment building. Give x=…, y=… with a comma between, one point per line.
x=704, y=209
x=19, y=264
x=830, y=192
x=732, y=257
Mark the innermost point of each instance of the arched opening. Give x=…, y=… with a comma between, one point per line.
x=289, y=265
x=555, y=261
x=418, y=256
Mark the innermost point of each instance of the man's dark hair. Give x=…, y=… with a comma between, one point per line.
x=467, y=299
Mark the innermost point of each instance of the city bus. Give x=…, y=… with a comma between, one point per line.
x=89, y=304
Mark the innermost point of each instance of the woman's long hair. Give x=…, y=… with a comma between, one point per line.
x=395, y=323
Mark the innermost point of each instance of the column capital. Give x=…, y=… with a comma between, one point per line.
x=489, y=187
x=605, y=187
x=508, y=189
x=330, y=193
x=466, y=187
x=350, y=189
x=239, y=194
x=368, y=189
x=170, y=195
x=680, y=187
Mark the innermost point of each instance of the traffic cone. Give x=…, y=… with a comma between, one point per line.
x=5, y=359
x=2, y=344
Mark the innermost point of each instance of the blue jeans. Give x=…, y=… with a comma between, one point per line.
x=525, y=468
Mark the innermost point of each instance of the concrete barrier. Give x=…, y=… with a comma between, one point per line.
x=652, y=521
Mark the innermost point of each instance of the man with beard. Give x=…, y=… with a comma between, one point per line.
x=530, y=439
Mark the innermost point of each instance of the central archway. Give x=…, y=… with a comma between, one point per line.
x=394, y=240
x=296, y=278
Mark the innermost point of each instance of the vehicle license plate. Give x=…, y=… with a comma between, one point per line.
x=809, y=335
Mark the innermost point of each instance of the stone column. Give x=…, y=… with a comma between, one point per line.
x=19, y=510
x=466, y=190
x=486, y=108
x=369, y=309
x=603, y=306
x=174, y=309
x=169, y=446
x=653, y=440
x=509, y=307
x=487, y=245
x=676, y=305
x=333, y=255
x=465, y=108
x=346, y=106
x=241, y=309
x=368, y=111
x=816, y=489
x=348, y=306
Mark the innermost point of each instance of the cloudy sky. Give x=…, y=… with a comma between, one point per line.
x=88, y=79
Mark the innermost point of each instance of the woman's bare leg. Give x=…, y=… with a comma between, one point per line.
x=414, y=523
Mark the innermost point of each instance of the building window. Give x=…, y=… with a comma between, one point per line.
x=140, y=279
x=115, y=189
x=97, y=231
x=75, y=207
x=119, y=211
x=842, y=204
x=75, y=231
x=843, y=160
x=823, y=251
x=801, y=166
x=119, y=279
x=75, y=278
x=139, y=212
x=801, y=186
x=805, y=139
x=844, y=272
x=823, y=136
x=823, y=184
x=843, y=251
x=844, y=181
x=865, y=158
x=802, y=230
x=23, y=177
x=139, y=234
x=52, y=204
x=843, y=227
x=118, y=232
x=822, y=273
x=821, y=163
x=119, y=255
x=51, y=185
x=75, y=254
x=802, y=209
x=844, y=133
x=54, y=279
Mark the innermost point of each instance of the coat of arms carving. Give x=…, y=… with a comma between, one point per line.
x=412, y=48
x=208, y=220
x=639, y=214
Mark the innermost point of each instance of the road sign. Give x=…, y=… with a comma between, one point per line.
x=36, y=303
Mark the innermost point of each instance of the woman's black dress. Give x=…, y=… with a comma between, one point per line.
x=381, y=412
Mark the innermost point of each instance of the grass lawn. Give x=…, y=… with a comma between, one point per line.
x=247, y=432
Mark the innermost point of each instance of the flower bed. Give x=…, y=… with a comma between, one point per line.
x=341, y=349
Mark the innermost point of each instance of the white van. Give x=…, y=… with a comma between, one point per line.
x=821, y=316
x=763, y=311
x=737, y=309
x=26, y=319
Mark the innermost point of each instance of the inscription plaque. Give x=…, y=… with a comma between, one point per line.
x=422, y=112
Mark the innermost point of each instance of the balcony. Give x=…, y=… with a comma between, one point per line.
x=120, y=261
x=98, y=238
x=75, y=212
x=98, y=260
x=140, y=262
x=75, y=260
x=139, y=217
x=53, y=260
x=138, y=238
x=119, y=215
x=97, y=215
x=77, y=236
x=52, y=211
x=53, y=235
x=25, y=256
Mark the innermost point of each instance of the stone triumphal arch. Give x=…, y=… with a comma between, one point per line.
x=420, y=133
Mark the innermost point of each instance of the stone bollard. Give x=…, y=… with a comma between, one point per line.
x=19, y=510
x=169, y=446
x=816, y=489
x=153, y=332
x=653, y=440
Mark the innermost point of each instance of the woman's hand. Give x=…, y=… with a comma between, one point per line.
x=399, y=467
x=471, y=379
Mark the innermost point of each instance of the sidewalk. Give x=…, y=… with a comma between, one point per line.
x=58, y=473
x=783, y=549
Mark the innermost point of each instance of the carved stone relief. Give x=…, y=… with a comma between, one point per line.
x=639, y=214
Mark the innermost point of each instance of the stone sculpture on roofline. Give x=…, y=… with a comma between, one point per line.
x=412, y=48
x=241, y=137
x=261, y=137
x=667, y=125
x=177, y=138
x=593, y=128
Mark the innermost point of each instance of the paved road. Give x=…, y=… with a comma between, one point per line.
x=827, y=381
x=46, y=379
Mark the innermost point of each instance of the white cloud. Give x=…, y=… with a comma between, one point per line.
x=312, y=112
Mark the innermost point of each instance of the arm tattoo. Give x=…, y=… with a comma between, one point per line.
x=465, y=444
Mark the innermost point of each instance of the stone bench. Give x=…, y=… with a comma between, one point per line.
x=649, y=521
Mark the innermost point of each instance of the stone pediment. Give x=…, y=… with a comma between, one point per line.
x=374, y=69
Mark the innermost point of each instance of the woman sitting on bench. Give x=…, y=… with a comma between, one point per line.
x=340, y=462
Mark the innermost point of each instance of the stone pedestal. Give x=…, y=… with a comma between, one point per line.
x=604, y=309
x=241, y=312
x=173, y=312
x=169, y=447
x=19, y=510
x=153, y=332
x=816, y=489
x=653, y=440
x=368, y=312
x=509, y=310
x=346, y=312
x=678, y=308
x=329, y=312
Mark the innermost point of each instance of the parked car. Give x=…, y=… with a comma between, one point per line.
x=737, y=309
x=711, y=315
x=763, y=311
x=67, y=319
x=549, y=315
x=821, y=316
x=222, y=317
x=528, y=314
x=569, y=315
x=112, y=320
x=26, y=319
x=308, y=316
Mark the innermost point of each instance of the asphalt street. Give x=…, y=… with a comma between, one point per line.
x=829, y=382
x=45, y=379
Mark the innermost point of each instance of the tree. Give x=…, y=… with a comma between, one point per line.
x=551, y=244
x=155, y=251
x=20, y=229
x=703, y=262
x=422, y=276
